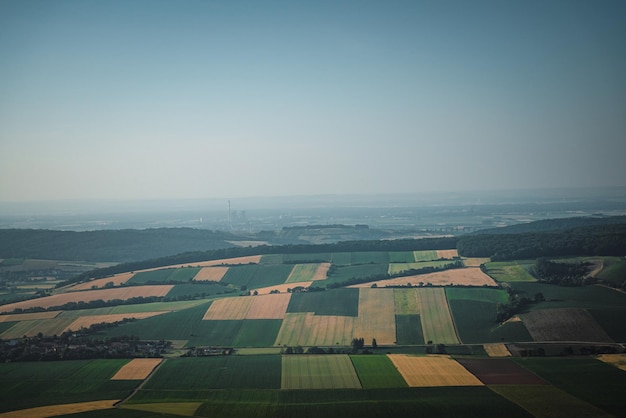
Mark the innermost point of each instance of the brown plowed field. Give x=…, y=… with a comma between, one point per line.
x=500, y=372
x=469, y=276
x=137, y=369
x=87, y=321
x=117, y=280
x=269, y=306
x=428, y=371
x=567, y=324
x=214, y=274
x=60, y=410
x=122, y=293
x=447, y=254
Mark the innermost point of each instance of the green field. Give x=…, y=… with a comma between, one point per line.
x=255, y=276
x=197, y=290
x=614, y=270
x=257, y=333
x=478, y=294
x=370, y=257
x=215, y=372
x=426, y=255
x=343, y=273
x=272, y=259
x=154, y=276
x=591, y=380
x=586, y=297
x=377, y=371
x=612, y=321
x=318, y=372
x=302, y=273
x=342, y=302
x=341, y=259
x=397, y=268
x=307, y=258
x=27, y=385
x=510, y=271
x=409, y=330
x=54, y=326
x=401, y=257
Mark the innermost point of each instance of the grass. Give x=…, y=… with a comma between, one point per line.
x=588, y=379
x=318, y=372
x=425, y=255
x=216, y=372
x=510, y=271
x=614, y=270
x=612, y=321
x=401, y=257
x=477, y=294
x=342, y=302
x=255, y=276
x=257, y=333
x=27, y=385
x=437, y=323
x=343, y=273
x=586, y=297
x=307, y=258
x=370, y=257
x=197, y=290
x=154, y=276
x=409, y=330
x=341, y=259
x=302, y=273
x=377, y=371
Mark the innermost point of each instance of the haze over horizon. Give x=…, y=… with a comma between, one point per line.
x=196, y=99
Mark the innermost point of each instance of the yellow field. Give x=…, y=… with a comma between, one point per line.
x=117, y=280
x=322, y=272
x=437, y=323
x=269, y=306
x=377, y=317
x=432, y=371
x=447, y=254
x=87, y=321
x=60, y=410
x=31, y=328
x=475, y=262
x=214, y=274
x=471, y=276
x=497, y=350
x=137, y=369
x=229, y=308
x=308, y=272
x=282, y=288
x=406, y=301
x=89, y=295
x=617, y=360
x=306, y=329
x=29, y=316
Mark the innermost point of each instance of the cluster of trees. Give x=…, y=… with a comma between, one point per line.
x=597, y=240
x=515, y=305
x=562, y=274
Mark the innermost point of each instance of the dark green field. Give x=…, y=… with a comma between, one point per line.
x=371, y=257
x=588, y=297
x=591, y=380
x=307, y=258
x=401, y=257
x=155, y=276
x=614, y=271
x=257, y=333
x=344, y=273
x=409, y=330
x=198, y=290
x=257, y=275
x=342, y=302
x=26, y=385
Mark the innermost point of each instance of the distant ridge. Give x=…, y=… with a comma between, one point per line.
x=556, y=225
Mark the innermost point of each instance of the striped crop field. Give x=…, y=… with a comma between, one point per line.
x=122, y=293
x=229, y=308
x=427, y=371
x=437, y=322
x=318, y=372
x=269, y=306
x=406, y=301
x=117, y=280
x=47, y=327
x=214, y=274
x=497, y=350
x=307, y=329
x=425, y=255
x=29, y=316
x=137, y=369
x=376, y=316
x=302, y=273
x=61, y=410
x=470, y=276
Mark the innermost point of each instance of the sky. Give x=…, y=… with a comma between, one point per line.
x=148, y=99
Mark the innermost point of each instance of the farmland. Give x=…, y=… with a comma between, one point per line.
x=437, y=323
x=432, y=371
x=318, y=372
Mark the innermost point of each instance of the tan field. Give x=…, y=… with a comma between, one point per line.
x=137, y=369
x=282, y=288
x=252, y=259
x=431, y=371
x=497, y=350
x=447, y=254
x=322, y=272
x=475, y=262
x=229, y=308
x=29, y=316
x=617, y=360
x=214, y=274
x=117, y=280
x=377, y=317
x=307, y=329
x=269, y=306
x=89, y=295
x=60, y=410
x=87, y=321
x=471, y=276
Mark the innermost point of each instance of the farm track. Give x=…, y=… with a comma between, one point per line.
x=141, y=385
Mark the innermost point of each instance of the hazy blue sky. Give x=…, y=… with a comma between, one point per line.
x=172, y=99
